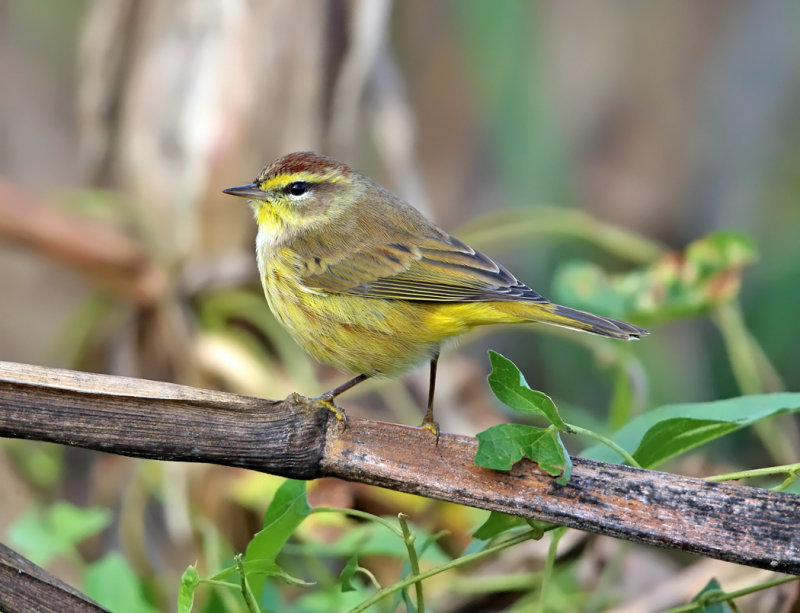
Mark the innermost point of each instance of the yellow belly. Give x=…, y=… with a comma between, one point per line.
x=364, y=335
x=370, y=335
x=355, y=334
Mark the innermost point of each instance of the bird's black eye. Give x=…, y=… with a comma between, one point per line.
x=298, y=188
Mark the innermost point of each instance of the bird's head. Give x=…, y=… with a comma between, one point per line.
x=299, y=191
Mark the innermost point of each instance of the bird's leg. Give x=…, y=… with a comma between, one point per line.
x=326, y=399
x=428, y=422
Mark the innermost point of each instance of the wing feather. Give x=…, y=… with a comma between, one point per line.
x=438, y=268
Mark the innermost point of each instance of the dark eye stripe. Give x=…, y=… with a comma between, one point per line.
x=298, y=188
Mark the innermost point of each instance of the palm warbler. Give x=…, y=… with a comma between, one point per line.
x=362, y=281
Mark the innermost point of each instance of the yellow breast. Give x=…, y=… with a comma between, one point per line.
x=353, y=333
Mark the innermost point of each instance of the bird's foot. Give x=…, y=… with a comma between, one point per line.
x=324, y=401
x=327, y=401
x=432, y=427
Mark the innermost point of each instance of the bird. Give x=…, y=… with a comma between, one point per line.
x=364, y=282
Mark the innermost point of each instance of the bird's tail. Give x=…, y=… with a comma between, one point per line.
x=558, y=315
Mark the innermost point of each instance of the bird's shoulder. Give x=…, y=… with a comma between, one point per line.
x=404, y=262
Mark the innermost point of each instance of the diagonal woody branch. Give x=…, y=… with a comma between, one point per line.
x=27, y=587
x=171, y=422
x=113, y=260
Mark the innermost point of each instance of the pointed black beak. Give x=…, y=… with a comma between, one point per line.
x=251, y=190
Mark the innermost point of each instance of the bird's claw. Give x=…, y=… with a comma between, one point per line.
x=432, y=427
x=323, y=401
x=329, y=404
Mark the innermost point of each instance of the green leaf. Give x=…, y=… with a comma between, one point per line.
x=503, y=445
x=288, y=509
x=704, y=275
x=510, y=387
x=712, y=586
x=113, y=584
x=328, y=599
x=41, y=535
x=496, y=524
x=347, y=574
x=672, y=437
x=669, y=430
x=189, y=582
x=566, y=474
x=265, y=569
x=290, y=499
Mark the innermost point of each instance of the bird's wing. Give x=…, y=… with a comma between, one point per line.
x=436, y=268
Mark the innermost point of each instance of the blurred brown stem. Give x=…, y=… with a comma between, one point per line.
x=115, y=261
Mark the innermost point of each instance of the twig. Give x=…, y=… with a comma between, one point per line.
x=295, y=439
x=116, y=262
x=26, y=587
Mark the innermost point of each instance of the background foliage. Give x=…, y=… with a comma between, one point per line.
x=576, y=143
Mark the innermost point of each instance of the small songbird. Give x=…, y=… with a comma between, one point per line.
x=362, y=281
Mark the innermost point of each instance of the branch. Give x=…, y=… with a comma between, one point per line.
x=113, y=260
x=26, y=587
x=290, y=438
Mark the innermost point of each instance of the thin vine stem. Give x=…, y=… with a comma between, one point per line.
x=572, y=429
x=216, y=583
x=790, y=478
x=520, y=225
x=387, y=591
x=720, y=596
x=739, y=346
x=368, y=573
x=549, y=564
x=408, y=539
x=247, y=593
x=361, y=515
x=788, y=469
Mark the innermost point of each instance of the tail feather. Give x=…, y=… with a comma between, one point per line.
x=566, y=317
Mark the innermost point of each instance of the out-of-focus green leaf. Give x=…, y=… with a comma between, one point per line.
x=585, y=285
x=328, y=600
x=346, y=576
x=288, y=509
x=503, y=445
x=113, y=584
x=41, y=535
x=39, y=463
x=510, y=387
x=672, y=429
x=718, y=607
x=496, y=524
x=189, y=582
x=706, y=274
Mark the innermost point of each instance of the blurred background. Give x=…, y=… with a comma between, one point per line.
x=542, y=133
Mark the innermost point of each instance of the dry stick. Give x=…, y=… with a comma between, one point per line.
x=170, y=422
x=26, y=587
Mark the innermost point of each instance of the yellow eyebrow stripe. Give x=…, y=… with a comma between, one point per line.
x=286, y=179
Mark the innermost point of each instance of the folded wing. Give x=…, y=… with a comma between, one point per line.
x=437, y=268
